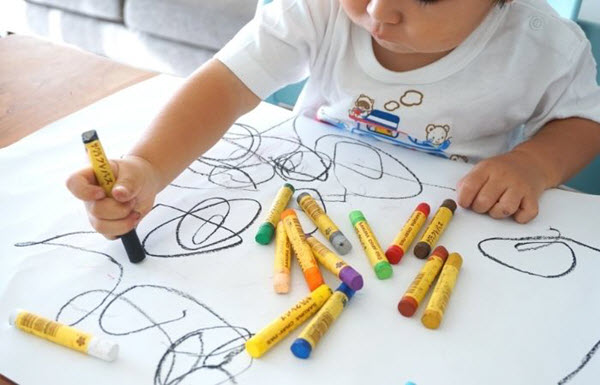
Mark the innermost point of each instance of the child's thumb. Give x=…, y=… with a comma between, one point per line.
x=128, y=185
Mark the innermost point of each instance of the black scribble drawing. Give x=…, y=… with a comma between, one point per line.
x=530, y=244
x=249, y=158
x=211, y=225
x=210, y=351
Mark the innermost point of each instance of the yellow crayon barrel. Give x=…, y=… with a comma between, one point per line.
x=283, y=257
x=64, y=335
x=434, y=312
x=281, y=326
x=322, y=321
x=382, y=267
x=335, y=264
x=302, y=249
x=267, y=229
x=434, y=230
x=407, y=234
x=420, y=285
x=325, y=225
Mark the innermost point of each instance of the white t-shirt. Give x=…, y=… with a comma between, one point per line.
x=522, y=67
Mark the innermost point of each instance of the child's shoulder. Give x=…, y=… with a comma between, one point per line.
x=546, y=26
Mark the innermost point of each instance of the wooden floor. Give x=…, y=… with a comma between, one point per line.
x=41, y=82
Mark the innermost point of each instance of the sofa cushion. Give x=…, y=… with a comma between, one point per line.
x=104, y=9
x=205, y=23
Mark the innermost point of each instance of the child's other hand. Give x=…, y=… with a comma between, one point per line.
x=505, y=185
x=133, y=195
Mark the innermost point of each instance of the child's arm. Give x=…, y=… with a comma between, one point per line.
x=195, y=118
x=511, y=183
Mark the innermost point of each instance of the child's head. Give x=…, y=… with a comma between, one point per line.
x=419, y=26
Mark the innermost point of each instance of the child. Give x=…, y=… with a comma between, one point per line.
x=460, y=78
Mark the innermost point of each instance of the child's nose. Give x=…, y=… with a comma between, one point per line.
x=385, y=11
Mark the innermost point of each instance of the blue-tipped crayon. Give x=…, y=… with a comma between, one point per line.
x=318, y=326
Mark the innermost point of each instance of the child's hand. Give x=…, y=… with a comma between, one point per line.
x=508, y=184
x=133, y=195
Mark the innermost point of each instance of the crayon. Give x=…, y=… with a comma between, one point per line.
x=382, y=267
x=420, y=285
x=335, y=264
x=434, y=312
x=64, y=335
x=281, y=326
x=325, y=225
x=435, y=229
x=322, y=321
x=106, y=180
x=303, y=252
x=407, y=235
x=265, y=232
x=283, y=256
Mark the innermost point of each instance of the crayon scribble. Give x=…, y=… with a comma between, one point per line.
x=210, y=351
x=211, y=225
x=525, y=246
x=249, y=158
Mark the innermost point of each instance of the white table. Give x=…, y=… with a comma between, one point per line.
x=527, y=317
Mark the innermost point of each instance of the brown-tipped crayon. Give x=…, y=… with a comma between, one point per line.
x=436, y=227
x=106, y=180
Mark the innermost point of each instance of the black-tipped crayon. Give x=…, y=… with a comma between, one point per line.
x=106, y=180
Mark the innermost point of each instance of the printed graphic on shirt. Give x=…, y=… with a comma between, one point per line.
x=409, y=99
x=459, y=158
x=365, y=118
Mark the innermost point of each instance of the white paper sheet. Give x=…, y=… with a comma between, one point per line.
x=524, y=309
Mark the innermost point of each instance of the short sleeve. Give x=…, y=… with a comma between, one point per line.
x=573, y=94
x=276, y=48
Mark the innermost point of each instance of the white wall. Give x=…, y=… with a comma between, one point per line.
x=590, y=10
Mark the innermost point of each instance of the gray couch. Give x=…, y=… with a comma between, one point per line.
x=171, y=36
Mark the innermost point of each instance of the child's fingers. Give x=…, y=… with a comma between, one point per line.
x=115, y=228
x=83, y=185
x=468, y=187
x=128, y=184
x=109, y=208
x=507, y=205
x=527, y=210
x=488, y=196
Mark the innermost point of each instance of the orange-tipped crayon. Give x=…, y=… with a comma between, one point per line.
x=302, y=249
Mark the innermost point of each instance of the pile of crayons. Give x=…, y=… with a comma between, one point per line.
x=325, y=305
x=283, y=224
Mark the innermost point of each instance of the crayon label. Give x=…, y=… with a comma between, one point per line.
x=369, y=243
x=53, y=331
x=283, y=250
x=437, y=226
x=422, y=282
x=318, y=216
x=443, y=290
x=279, y=204
x=326, y=257
x=288, y=321
x=409, y=232
x=319, y=325
x=295, y=234
x=100, y=164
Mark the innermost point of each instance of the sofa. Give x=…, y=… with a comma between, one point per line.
x=169, y=36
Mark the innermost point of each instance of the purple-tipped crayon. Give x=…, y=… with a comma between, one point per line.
x=335, y=264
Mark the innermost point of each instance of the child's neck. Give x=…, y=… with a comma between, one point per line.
x=402, y=62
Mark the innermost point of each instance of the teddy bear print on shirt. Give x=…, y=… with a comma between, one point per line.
x=437, y=135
